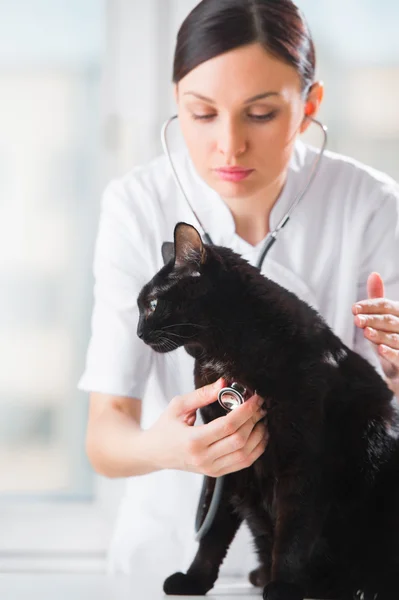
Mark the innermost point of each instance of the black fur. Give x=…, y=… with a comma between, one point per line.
x=322, y=502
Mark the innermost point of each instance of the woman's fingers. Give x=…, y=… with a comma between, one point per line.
x=241, y=459
x=389, y=361
x=382, y=337
x=376, y=306
x=198, y=398
x=380, y=314
x=228, y=424
x=386, y=322
x=379, y=319
x=237, y=440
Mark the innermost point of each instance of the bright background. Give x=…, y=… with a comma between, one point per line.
x=84, y=89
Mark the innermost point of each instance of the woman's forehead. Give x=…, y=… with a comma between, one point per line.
x=239, y=74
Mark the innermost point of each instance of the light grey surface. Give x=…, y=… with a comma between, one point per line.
x=76, y=586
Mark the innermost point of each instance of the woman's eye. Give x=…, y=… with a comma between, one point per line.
x=202, y=117
x=266, y=117
x=263, y=117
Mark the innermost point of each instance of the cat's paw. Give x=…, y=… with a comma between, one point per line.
x=282, y=591
x=258, y=577
x=180, y=584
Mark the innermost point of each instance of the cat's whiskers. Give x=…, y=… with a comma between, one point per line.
x=180, y=324
x=179, y=335
x=171, y=344
x=167, y=343
x=165, y=338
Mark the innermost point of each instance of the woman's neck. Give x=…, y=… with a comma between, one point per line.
x=252, y=214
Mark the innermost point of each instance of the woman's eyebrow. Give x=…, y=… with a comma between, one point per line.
x=253, y=99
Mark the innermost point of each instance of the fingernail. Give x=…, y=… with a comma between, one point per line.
x=358, y=308
x=371, y=332
x=384, y=349
x=361, y=320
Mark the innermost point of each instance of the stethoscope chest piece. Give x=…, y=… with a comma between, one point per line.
x=232, y=397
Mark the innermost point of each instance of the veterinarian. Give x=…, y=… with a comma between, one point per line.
x=244, y=80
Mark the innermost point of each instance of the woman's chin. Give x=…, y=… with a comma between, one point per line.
x=233, y=189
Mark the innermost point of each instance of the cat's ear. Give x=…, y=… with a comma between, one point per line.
x=189, y=249
x=168, y=252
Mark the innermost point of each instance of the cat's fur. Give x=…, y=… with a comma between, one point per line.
x=322, y=502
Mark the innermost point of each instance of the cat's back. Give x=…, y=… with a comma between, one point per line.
x=358, y=388
x=361, y=424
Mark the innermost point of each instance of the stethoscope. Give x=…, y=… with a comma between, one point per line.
x=234, y=395
x=272, y=236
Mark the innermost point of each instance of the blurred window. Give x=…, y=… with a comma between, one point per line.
x=357, y=45
x=51, y=55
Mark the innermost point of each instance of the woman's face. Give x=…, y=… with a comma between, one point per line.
x=242, y=109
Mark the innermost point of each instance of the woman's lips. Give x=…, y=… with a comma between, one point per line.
x=233, y=174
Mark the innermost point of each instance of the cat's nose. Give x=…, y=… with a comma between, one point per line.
x=140, y=330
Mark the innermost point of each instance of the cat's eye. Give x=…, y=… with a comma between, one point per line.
x=152, y=305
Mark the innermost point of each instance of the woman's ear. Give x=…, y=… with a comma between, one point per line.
x=312, y=104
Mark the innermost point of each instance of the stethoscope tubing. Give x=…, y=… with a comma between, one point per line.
x=272, y=236
x=203, y=528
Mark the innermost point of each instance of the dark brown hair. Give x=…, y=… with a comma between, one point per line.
x=217, y=26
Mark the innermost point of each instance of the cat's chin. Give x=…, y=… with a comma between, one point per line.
x=161, y=348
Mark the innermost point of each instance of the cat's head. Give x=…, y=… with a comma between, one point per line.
x=184, y=298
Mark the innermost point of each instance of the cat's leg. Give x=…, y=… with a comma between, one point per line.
x=203, y=572
x=388, y=590
x=332, y=591
x=261, y=528
x=295, y=435
x=297, y=527
x=327, y=577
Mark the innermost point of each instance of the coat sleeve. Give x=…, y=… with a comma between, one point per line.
x=117, y=361
x=380, y=253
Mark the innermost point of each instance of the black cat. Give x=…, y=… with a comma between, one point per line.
x=322, y=502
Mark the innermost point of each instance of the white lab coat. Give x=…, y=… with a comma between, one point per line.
x=346, y=226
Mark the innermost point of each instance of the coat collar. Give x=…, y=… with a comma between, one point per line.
x=218, y=221
x=214, y=213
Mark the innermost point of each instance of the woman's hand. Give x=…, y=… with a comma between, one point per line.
x=226, y=444
x=379, y=318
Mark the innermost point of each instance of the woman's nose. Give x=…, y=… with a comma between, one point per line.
x=231, y=141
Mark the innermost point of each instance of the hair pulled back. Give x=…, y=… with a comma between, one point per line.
x=214, y=27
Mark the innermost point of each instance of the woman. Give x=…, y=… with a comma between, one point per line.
x=244, y=75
